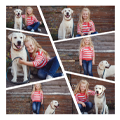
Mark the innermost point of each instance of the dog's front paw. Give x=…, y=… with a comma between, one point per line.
x=13, y=80
x=25, y=79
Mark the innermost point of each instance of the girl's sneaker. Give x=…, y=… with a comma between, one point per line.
x=32, y=30
x=39, y=30
x=49, y=77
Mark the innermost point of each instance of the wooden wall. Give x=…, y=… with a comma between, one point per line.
x=102, y=16
x=104, y=46
x=109, y=92
x=18, y=100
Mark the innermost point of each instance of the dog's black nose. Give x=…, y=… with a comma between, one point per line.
x=58, y=104
x=18, y=13
x=19, y=42
x=97, y=92
x=67, y=13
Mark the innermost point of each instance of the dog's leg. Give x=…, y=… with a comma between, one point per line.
x=106, y=110
x=96, y=108
x=14, y=68
x=25, y=72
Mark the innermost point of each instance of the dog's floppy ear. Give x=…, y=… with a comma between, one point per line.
x=24, y=36
x=14, y=10
x=21, y=10
x=104, y=88
x=62, y=11
x=71, y=10
x=51, y=103
x=95, y=87
x=101, y=66
x=10, y=36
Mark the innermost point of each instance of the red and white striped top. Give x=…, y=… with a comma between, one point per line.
x=86, y=53
x=86, y=27
x=37, y=96
x=82, y=97
x=30, y=19
x=40, y=60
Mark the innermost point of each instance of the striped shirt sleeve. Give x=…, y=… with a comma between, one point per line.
x=38, y=59
x=92, y=28
x=35, y=19
x=80, y=56
x=90, y=92
x=76, y=97
x=78, y=29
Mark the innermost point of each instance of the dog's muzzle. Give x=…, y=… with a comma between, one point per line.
x=18, y=15
x=18, y=46
x=67, y=15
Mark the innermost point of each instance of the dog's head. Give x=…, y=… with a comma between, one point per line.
x=103, y=64
x=99, y=90
x=18, y=12
x=67, y=13
x=54, y=104
x=17, y=40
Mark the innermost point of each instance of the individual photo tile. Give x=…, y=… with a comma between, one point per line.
x=93, y=96
x=51, y=97
x=75, y=21
x=93, y=56
x=39, y=61
x=25, y=18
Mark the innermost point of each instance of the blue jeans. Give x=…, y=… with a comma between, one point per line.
x=88, y=107
x=36, y=107
x=78, y=35
x=50, y=69
x=33, y=26
x=87, y=67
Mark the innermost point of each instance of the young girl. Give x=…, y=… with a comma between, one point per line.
x=31, y=21
x=40, y=59
x=85, y=25
x=82, y=93
x=37, y=98
x=86, y=55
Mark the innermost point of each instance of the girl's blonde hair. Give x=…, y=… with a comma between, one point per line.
x=80, y=22
x=77, y=89
x=37, y=47
x=82, y=43
x=26, y=14
x=34, y=89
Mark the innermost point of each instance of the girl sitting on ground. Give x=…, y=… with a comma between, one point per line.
x=31, y=21
x=86, y=55
x=85, y=24
x=37, y=98
x=40, y=59
x=82, y=93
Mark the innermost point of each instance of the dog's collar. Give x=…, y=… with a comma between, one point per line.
x=17, y=48
x=101, y=95
x=17, y=16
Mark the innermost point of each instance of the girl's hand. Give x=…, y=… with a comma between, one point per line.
x=93, y=62
x=83, y=104
x=21, y=61
x=40, y=23
x=41, y=102
x=82, y=34
x=80, y=62
x=89, y=33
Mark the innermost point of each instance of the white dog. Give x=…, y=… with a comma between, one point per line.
x=66, y=27
x=51, y=107
x=104, y=69
x=18, y=50
x=18, y=19
x=100, y=100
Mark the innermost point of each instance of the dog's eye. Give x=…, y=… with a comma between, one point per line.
x=69, y=10
x=15, y=37
x=100, y=88
x=65, y=10
x=20, y=37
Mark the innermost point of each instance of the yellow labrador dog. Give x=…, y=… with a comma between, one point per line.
x=18, y=50
x=18, y=19
x=66, y=27
x=104, y=69
x=100, y=100
x=51, y=107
